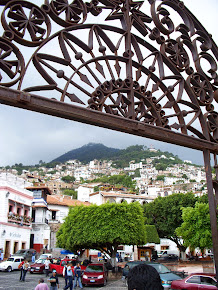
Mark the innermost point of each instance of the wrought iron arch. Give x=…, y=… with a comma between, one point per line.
x=150, y=71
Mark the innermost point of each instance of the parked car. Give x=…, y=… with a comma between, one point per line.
x=95, y=274
x=25, y=253
x=11, y=264
x=44, y=256
x=168, y=258
x=195, y=282
x=163, y=252
x=166, y=275
x=59, y=265
x=38, y=266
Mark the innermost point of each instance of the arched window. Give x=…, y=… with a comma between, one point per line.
x=112, y=200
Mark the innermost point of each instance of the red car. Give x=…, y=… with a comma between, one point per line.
x=196, y=282
x=95, y=274
x=59, y=265
x=38, y=266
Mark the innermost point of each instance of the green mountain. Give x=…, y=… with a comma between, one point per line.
x=87, y=153
x=120, y=158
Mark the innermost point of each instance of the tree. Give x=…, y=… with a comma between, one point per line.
x=103, y=227
x=195, y=229
x=70, y=192
x=68, y=179
x=117, y=180
x=151, y=234
x=160, y=177
x=166, y=214
x=96, y=188
x=184, y=176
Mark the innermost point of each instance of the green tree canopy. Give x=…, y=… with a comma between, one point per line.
x=70, y=192
x=160, y=177
x=118, y=180
x=195, y=229
x=103, y=227
x=68, y=179
x=151, y=235
x=166, y=214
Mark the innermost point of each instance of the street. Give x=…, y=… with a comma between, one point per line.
x=11, y=281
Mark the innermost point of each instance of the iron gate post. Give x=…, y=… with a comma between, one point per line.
x=212, y=208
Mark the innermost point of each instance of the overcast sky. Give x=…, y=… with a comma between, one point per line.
x=27, y=137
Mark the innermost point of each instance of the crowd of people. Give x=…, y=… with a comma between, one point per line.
x=140, y=277
x=71, y=278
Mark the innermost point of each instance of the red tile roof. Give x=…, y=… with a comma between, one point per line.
x=64, y=200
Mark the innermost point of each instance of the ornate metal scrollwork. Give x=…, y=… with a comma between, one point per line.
x=147, y=67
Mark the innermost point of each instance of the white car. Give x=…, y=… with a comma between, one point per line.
x=44, y=256
x=11, y=264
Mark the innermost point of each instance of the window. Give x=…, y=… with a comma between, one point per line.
x=17, y=260
x=53, y=215
x=208, y=280
x=10, y=208
x=194, y=279
x=37, y=193
x=18, y=210
x=26, y=212
x=33, y=215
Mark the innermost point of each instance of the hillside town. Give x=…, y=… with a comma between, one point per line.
x=34, y=204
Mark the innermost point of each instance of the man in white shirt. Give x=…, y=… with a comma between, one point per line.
x=69, y=276
x=47, y=263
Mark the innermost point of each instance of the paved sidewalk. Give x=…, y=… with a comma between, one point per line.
x=195, y=267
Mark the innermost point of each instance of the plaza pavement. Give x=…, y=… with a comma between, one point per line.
x=10, y=281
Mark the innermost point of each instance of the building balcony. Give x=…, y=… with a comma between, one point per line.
x=54, y=221
x=19, y=219
x=40, y=220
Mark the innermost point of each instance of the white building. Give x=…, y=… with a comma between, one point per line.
x=84, y=190
x=82, y=172
x=40, y=235
x=15, y=214
x=117, y=197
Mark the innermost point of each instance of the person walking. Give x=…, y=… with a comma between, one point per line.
x=42, y=285
x=54, y=281
x=20, y=267
x=65, y=275
x=33, y=257
x=78, y=274
x=70, y=277
x=26, y=266
x=47, y=263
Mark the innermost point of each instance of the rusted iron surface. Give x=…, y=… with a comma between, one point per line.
x=147, y=68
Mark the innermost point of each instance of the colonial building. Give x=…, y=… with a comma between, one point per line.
x=15, y=214
x=48, y=213
x=40, y=235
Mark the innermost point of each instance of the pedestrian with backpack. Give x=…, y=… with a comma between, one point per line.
x=65, y=275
